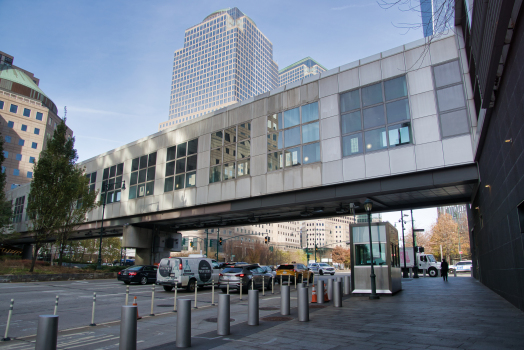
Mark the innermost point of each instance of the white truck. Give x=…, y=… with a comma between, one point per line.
x=186, y=272
x=423, y=262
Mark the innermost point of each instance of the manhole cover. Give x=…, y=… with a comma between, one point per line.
x=214, y=319
x=165, y=305
x=316, y=306
x=276, y=319
x=268, y=308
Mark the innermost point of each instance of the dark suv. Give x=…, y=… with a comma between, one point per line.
x=248, y=274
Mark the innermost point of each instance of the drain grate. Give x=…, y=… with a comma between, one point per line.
x=268, y=308
x=214, y=319
x=316, y=306
x=276, y=319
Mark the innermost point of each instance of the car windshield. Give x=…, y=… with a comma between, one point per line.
x=323, y=264
x=134, y=268
x=286, y=267
x=232, y=270
x=431, y=258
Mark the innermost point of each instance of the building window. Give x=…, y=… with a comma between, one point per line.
x=451, y=102
x=37, y=131
x=13, y=109
x=375, y=117
x=3, y=169
x=91, y=178
x=111, y=183
x=29, y=174
x=34, y=145
x=10, y=124
x=32, y=160
x=293, y=137
x=142, y=181
x=27, y=112
x=1, y=104
x=21, y=142
x=24, y=127
x=181, y=165
x=230, y=153
x=16, y=172
x=7, y=139
x=19, y=157
x=39, y=116
x=6, y=154
x=18, y=209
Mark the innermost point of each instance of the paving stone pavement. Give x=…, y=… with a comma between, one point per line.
x=427, y=314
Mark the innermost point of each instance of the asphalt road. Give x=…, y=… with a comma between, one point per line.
x=76, y=302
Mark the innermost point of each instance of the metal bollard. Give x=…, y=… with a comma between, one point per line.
x=280, y=283
x=410, y=272
x=472, y=272
x=263, y=285
x=152, y=300
x=6, y=338
x=320, y=292
x=424, y=271
x=340, y=279
x=330, y=289
x=227, y=288
x=174, y=302
x=213, y=293
x=183, y=324
x=93, y=313
x=240, y=288
x=439, y=273
x=47, y=332
x=56, y=305
x=196, y=290
x=454, y=273
x=337, y=294
x=252, y=283
x=288, y=281
x=308, y=280
x=284, y=300
x=272, y=285
x=223, y=321
x=127, y=294
x=295, y=280
x=347, y=285
x=303, y=304
x=252, y=309
x=128, y=328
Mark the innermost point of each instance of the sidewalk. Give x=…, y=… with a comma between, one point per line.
x=427, y=314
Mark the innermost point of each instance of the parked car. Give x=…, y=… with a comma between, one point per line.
x=186, y=272
x=270, y=270
x=247, y=274
x=231, y=264
x=141, y=274
x=462, y=266
x=322, y=268
x=292, y=271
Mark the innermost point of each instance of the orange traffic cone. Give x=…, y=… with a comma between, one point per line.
x=326, y=298
x=135, y=304
x=314, y=295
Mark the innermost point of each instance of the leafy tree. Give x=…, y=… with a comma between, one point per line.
x=445, y=232
x=6, y=229
x=57, y=186
x=341, y=256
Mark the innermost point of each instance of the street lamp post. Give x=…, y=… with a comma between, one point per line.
x=368, y=205
x=405, y=272
x=104, y=195
x=415, y=260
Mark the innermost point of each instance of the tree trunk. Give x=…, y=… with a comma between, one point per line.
x=33, y=261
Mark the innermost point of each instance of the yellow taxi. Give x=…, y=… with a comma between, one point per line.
x=288, y=272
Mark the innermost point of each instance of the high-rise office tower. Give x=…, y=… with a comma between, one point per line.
x=299, y=70
x=437, y=16
x=225, y=59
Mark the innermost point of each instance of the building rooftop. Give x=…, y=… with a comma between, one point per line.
x=15, y=75
x=308, y=61
x=227, y=10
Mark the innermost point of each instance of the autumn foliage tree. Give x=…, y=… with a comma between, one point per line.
x=341, y=256
x=447, y=232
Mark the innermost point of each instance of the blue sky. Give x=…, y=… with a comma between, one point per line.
x=110, y=62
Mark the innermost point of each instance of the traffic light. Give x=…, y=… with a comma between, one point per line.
x=316, y=247
x=266, y=240
x=220, y=241
x=183, y=241
x=190, y=244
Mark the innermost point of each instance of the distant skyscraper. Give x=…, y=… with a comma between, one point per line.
x=299, y=70
x=225, y=59
x=437, y=16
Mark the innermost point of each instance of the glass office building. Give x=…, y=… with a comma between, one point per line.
x=225, y=59
x=299, y=70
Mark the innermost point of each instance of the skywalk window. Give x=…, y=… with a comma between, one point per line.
x=230, y=153
x=111, y=183
x=181, y=165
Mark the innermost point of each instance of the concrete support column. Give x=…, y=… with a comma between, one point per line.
x=27, y=252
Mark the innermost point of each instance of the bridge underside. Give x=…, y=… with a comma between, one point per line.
x=410, y=191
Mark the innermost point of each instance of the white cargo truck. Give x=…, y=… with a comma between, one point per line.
x=186, y=272
x=423, y=262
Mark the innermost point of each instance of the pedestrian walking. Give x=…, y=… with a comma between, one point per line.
x=444, y=267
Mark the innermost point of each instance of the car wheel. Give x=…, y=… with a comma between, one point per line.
x=143, y=280
x=127, y=282
x=168, y=288
x=321, y=272
x=433, y=272
x=191, y=285
x=333, y=274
